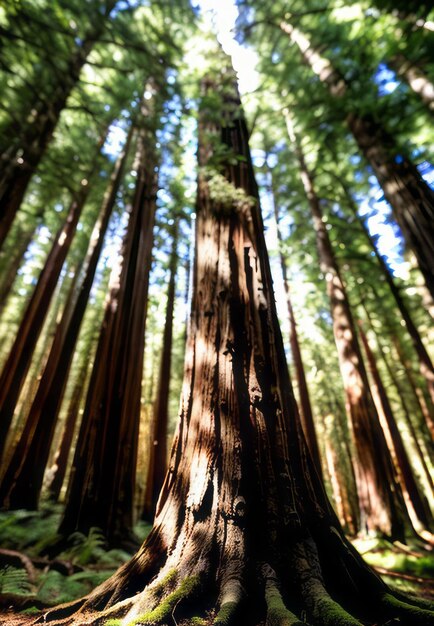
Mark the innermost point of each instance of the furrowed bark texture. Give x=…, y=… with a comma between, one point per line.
x=242, y=524
x=410, y=197
x=157, y=464
x=381, y=502
x=103, y=472
x=22, y=482
x=20, y=160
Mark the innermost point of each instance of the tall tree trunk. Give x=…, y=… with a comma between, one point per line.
x=18, y=361
x=14, y=264
x=101, y=490
x=243, y=525
x=305, y=405
x=426, y=476
x=417, y=505
x=416, y=78
x=22, y=159
x=22, y=482
x=425, y=363
x=381, y=502
x=157, y=464
x=410, y=197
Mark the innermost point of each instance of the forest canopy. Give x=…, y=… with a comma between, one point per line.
x=216, y=304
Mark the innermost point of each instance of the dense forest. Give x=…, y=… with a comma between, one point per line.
x=216, y=303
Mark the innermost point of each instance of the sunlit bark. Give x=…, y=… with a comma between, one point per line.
x=243, y=526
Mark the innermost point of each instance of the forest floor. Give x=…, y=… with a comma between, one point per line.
x=32, y=578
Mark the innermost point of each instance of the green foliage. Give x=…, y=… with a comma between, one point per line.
x=14, y=580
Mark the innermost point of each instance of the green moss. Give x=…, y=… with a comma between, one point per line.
x=399, y=608
x=278, y=614
x=113, y=622
x=166, y=581
x=225, y=614
x=197, y=621
x=157, y=615
x=331, y=613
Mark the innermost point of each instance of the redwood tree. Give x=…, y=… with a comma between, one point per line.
x=21, y=483
x=103, y=472
x=243, y=525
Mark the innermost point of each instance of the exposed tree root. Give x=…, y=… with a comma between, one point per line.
x=408, y=613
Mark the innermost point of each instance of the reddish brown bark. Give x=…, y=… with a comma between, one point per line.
x=22, y=481
x=416, y=502
x=425, y=363
x=243, y=526
x=381, y=502
x=305, y=405
x=31, y=141
x=102, y=486
x=157, y=463
x=410, y=197
x=18, y=361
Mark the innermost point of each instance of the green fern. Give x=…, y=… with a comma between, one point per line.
x=14, y=580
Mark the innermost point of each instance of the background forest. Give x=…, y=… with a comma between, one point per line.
x=99, y=114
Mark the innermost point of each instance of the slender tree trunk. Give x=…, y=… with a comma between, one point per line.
x=243, y=526
x=406, y=410
x=14, y=264
x=381, y=502
x=416, y=502
x=101, y=490
x=22, y=482
x=62, y=454
x=416, y=78
x=425, y=363
x=18, y=361
x=157, y=464
x=19, y=163
x=305, y=405
x=410, y=197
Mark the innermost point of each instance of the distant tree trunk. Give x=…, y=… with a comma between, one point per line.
x=22, y=482
x=346, y=506
x=243, y=527
x=416, y=79
x=62, y=454
x=381, y=503
x=410, y=197
x=426, y=411
x=406, y=410
x=14, y=264
x=101, y=490
x=17, y=364
x=305, y=405
x=20, y=162
x=157, y=464
x=425, y=363
x=417, y=504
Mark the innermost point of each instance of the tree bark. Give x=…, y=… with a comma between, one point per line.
x=243, y=526
x=416, y=502
x=20, y=160
x=102, y=485
x=22, y=481
x=381, y=503
x=157, y=462
x=18, y=361
x=425, y=363
x=416, y=78
x=410, y=197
